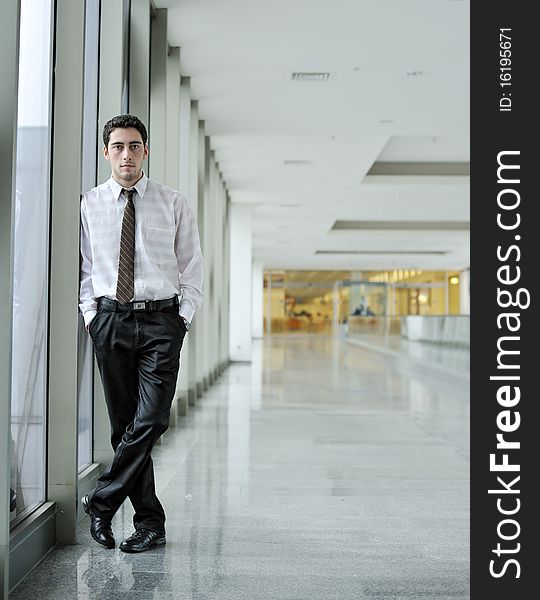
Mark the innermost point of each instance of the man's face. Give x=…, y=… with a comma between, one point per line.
x=126, y=152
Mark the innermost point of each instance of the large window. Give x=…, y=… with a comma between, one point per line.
x=89, y=173
x=31, y=259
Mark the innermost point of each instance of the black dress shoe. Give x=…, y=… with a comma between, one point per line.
x=142, y=540
x=100, y=529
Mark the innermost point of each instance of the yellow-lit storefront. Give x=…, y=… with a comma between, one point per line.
x=316, y=301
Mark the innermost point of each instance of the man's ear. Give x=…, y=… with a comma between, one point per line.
x=106, y=152
x=145, y=151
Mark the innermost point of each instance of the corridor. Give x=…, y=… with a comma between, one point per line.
x=320, y=470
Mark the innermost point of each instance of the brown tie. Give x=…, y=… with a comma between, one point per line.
x=125, y=285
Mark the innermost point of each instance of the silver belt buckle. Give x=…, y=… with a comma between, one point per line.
x=139, y=305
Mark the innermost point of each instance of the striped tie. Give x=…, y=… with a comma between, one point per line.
x=125, y=286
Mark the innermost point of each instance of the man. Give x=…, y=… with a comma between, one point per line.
x=141, y=283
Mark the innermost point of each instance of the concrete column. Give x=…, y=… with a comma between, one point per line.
x=205, y=221
x=257, y=299
x=172, y=175
x=102, y=449
x=219, y=274
x=219, y=271
x=187, y=364
x=157, y=132
x=240, y=266
x=225, y=356
x=202, y=324
x=213, y=215
x=195, y=358
x=139, y=60
x=465, y=292
x=172, y=179
x=111, y=78
x=62, y=465
x=111, y=72
x=9, y=33
x=184, y=171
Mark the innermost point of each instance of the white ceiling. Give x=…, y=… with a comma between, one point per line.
x=240, y=54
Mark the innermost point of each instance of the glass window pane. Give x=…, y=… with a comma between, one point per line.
x=31, y=258
x=89, y=172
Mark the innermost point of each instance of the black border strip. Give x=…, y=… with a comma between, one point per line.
x=504, y=121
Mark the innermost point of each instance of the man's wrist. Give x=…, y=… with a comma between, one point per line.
x=89, y=317
x=187, y=324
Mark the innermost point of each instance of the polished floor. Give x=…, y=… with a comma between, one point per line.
x=448, y=358
x=322, y=470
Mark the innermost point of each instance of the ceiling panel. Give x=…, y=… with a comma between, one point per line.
x=398, y=92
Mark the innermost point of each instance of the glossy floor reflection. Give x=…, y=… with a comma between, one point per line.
x=453, y=359
x=318, y=471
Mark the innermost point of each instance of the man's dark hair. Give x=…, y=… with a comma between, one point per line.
x=123, y=122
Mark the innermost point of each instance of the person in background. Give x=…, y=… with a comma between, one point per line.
x=358, y=311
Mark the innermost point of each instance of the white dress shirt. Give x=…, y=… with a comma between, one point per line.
x=168, y=259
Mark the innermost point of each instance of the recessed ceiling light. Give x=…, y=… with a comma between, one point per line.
x=415, y=73
x=382, y=252
x=349, y=225
x=386, y=121
x=297, y=162
x=309, y=76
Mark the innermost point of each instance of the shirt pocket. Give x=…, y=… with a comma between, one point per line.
x=160, y=244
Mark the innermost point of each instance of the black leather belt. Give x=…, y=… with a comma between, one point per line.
x=143, y=305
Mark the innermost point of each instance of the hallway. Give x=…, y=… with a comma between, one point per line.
x=318, y=471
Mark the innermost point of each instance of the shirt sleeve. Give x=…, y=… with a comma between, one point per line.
x=87, y=298
x=190, y=261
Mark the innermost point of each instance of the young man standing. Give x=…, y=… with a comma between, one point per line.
x=141, y=283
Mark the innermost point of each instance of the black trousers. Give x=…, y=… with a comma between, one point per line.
x=138, y=358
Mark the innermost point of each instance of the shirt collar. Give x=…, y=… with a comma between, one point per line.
x=140, y=186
